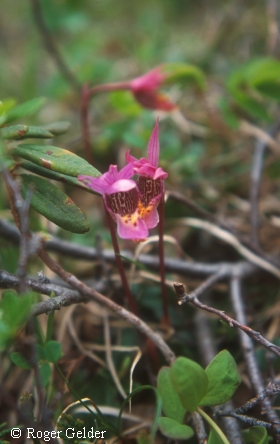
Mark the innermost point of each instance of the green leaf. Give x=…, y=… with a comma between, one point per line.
x=269, y=89
x=6, y=105
x=14, y=311
x=228, y=115
x=55, y=205
x=190, y=381
x=25, y=109
x=171, y=403
x=173, y=429
x=256, y=435
x=223, y=379
x=45, y=372
x=29, y=166
x=19, y=360
x=55, y=159
x=40, y=349
x=184, y=73
x=18, y=132
x=214, y=438
x=245, y=96
x=52, y=351
x=264, y=76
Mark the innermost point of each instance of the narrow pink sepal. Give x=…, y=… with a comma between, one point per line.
x=129, y=158
x=103, y=184
x=153, y=146
x=95, y=183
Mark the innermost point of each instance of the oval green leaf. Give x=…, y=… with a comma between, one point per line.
x=223, y=379
x=171, y=404
x=52, y=351
x=45, y=372
x=184, y=73
x=18, y=132
x=55, y=205
x=214, y=438
x=33, y=168
x=20, y=361
x=55, y=159
x=190, y=382
x=256, y=435
x=25, y=109
x=173, y=429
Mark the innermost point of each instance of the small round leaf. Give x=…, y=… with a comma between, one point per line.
x=173, y=429
x=190, y=381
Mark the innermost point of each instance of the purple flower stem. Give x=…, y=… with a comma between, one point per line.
x=130, y=300
x=165, y=319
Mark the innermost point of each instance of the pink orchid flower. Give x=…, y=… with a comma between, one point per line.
x=121, y=199
x=151, y=180
x=145, y=90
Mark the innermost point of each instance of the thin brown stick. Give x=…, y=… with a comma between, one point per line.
x=248, y=347
x=127, y=291
x=180, y=266
x=120, y=311
x=256, y=336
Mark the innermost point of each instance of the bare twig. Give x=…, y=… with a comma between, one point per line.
x=184, y=297
x=256, y=175
x=20, y=210
x=51, y=47
x=199, y=428
x=238, y=413
x=234, y=242
x=248, y=346
x=129, y=297
x=256, y=336
x=270, y=390
x=120, y=311
x=184, y=267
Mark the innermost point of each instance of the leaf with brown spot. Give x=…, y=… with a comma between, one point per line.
x=55, y=205
x=61, y=161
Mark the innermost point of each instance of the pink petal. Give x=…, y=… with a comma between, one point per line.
x=145, y=169
x=126, y=172
x=97, y=184
x=133, y=228
x=160, y=174
x=153, y=146
x=121, y=185
x=151, y=219
x=149, y=81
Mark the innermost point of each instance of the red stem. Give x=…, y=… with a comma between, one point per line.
x=165, y=319
x=129, y=297
x=107, y=87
